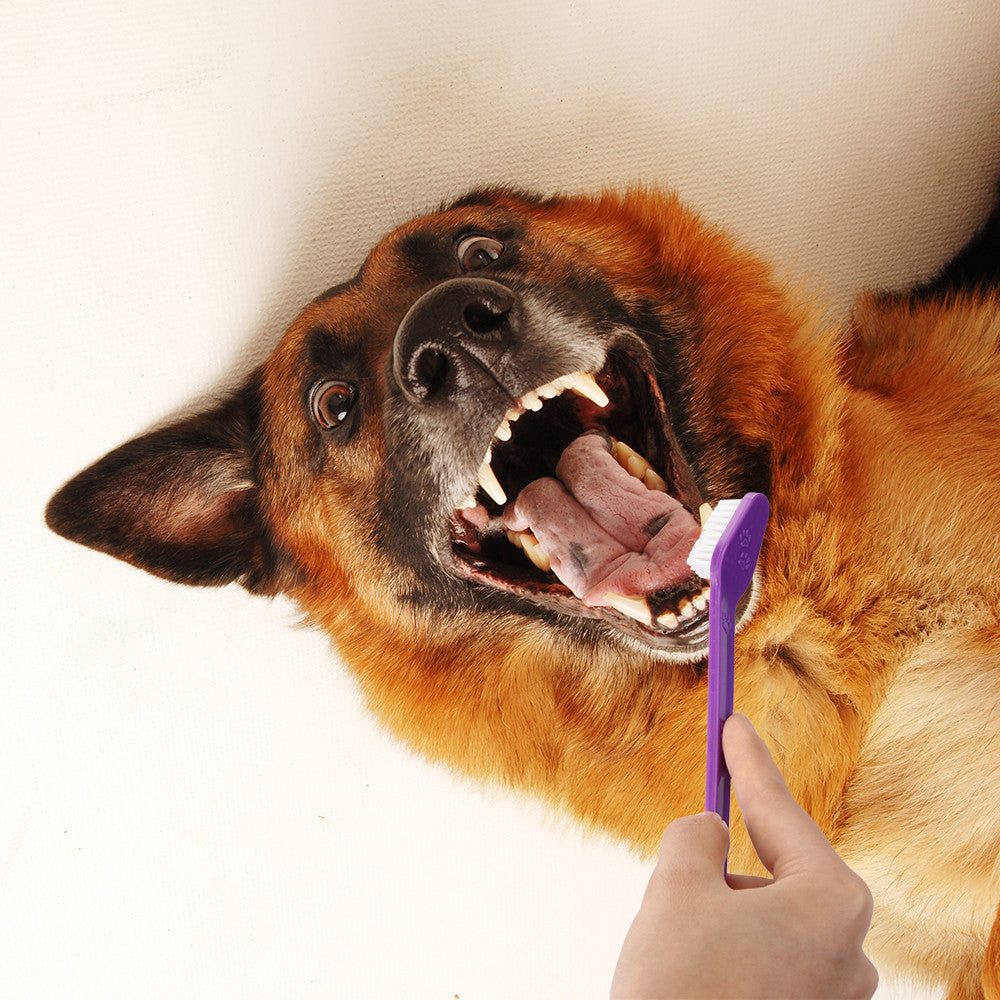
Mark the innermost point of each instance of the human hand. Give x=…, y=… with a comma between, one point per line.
x=700, y=933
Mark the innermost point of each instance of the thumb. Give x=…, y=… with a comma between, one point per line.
x=695, y=847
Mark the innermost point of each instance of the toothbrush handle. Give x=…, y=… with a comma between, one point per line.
x=721, y=658
x=731, y=572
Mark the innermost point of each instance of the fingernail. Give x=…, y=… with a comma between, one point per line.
x=709, y=812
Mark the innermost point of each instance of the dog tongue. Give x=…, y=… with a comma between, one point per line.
x=601, y=528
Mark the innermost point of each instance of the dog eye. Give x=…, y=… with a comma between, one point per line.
x=330, y=401
x=475, y=252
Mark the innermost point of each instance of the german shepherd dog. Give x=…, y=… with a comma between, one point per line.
x=478, y=466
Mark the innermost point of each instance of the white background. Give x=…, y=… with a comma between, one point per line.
x=192, y=801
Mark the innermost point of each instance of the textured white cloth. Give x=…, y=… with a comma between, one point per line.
x=192, y=803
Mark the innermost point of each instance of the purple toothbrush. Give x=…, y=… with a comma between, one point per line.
x=726, y=553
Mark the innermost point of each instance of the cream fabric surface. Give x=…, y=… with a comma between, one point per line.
x=192, y=801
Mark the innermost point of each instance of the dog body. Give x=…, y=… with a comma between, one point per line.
x=349, y=472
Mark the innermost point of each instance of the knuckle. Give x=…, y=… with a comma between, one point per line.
x=867, y=981
x=861, y=901
x=853, y=900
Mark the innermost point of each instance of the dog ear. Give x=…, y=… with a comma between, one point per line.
x=181, y=502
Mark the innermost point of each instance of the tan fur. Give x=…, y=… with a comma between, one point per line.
x=872, y=665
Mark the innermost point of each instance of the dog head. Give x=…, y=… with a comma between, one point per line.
x=515, y=408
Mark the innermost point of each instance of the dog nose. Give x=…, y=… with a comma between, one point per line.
x=453, y=337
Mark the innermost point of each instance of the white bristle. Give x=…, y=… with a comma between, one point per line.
x=700, y=558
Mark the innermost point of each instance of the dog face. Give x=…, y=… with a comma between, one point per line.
x=514, y=409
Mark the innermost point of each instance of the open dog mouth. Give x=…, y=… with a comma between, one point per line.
x=585, y=504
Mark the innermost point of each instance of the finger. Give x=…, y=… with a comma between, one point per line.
x=694, y=847
x=784, y=835
x=747, y=881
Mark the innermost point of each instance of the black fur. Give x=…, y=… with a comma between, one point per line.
x=976, y=267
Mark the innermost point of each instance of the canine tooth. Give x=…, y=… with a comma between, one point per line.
x=668, y=620
x=584, y=384
x=532, y=548
x=634, y=607
x=490, y=483
x=705, y=512
x=534, y=551
x=531, y=401
x=654, y=481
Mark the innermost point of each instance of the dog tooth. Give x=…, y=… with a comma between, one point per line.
x=654, y=481
x=584, y=384
x=511, y=416
x=637, y=466
x=668, y=620
x=705, y=512
x=534, y=551
x=531, y=401
x=634, y=607
x=490, y=483
x=626, y=452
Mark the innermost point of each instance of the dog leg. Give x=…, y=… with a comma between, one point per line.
x=936, y=892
